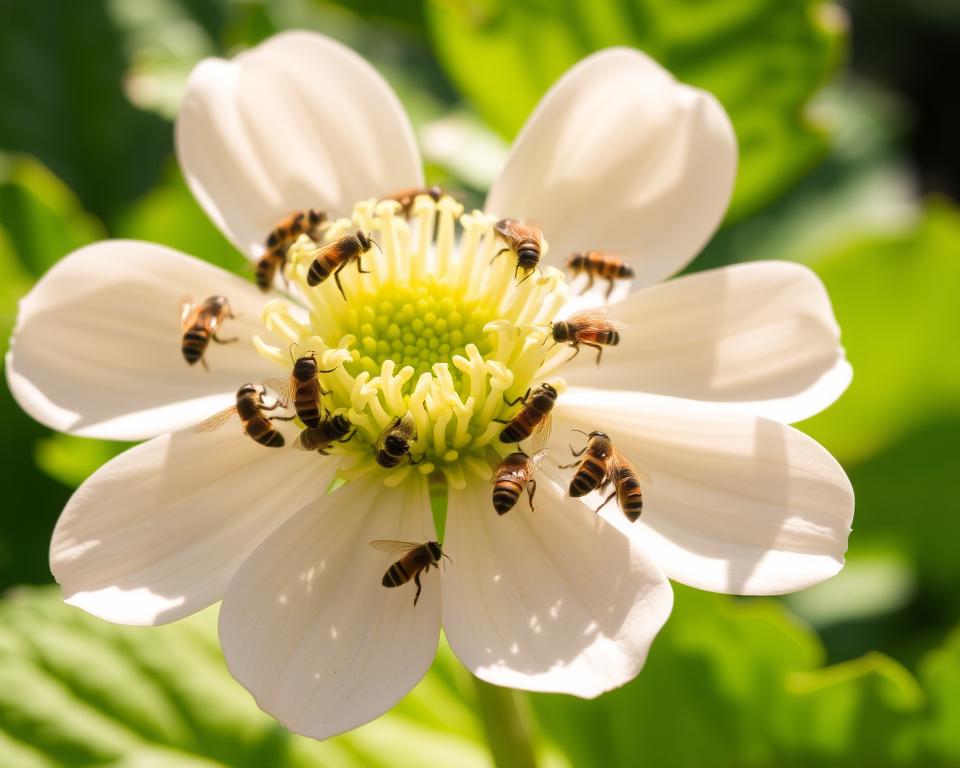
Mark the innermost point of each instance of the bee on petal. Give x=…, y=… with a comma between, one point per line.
x=596, y=264
x=414, y=559
x=512, y=475
x=603, y=465
x=525, y=240
x=534, y=418
x=281, y=237
x=591, y=328
x=250, y=408
x=200, y=323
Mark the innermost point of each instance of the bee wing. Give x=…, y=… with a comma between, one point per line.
x=408, y=425
x=188, y=311
x=208, y=425
x=618, y=460
x=537, y=459
x=595, y=320
x=514, y=231
x=282, y=387
x=393, y=547
x=397, y=420
x=494, y=460
x=339, y=249
x=541, y=433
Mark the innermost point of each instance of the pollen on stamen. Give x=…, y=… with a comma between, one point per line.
x=435, y=333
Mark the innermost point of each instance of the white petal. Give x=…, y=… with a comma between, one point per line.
x=760, y=336
x=620, y=157
x=159, y=531
x=96, y=351
x=306, y=625
x=552, y=600
x=299, y=121
x=738, y=503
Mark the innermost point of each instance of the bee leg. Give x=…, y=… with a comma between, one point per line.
x=224, y=341
x=348, y=438
x=589, y=284
x=281, y=418
x=502, y=421
x=203, y=362
x=502, y=250
x=416, y=580
x=612, y=283
x=422, y=458
x=323, y=451
x=517, y=400
x=606, y=500
x=531, y=489
x=336, y=278
x=529, y=273
x=576, y=347
x=596, y=347
x=360, y=268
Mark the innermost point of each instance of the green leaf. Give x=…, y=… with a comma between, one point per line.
x=76, y=691
x=61, y=74
x=763, y=59
x=940, y=673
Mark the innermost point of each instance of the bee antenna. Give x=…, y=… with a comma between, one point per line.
x=580, y=431
x=294, y=344
x=376, y=244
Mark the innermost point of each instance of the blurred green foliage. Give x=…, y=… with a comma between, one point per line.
x=86, y=152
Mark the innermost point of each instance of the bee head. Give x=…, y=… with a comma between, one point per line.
x=364, y=240
x=341, y=423
x=575, y=262
x=548, y=389
x=560, y=331
x=435, y=193
x=247, y=389
x=528, y=257
x=217, y=302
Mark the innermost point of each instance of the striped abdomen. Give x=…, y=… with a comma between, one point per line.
x=608, y=337
x=535, y=411
x=255, y=424
x=267, y=267
x=588, y=477
x=407, y=567
x=629, y=495
x=195, y=341
x=321, y=268
x=306, y=402
x=506, y=491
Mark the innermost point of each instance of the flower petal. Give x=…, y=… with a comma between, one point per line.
x=306, y=625
x=96, y=351
x=300, y=121
x=158, y=532
x=620, y=157
x=738, y=503
x=761, y=336
x=552, y=600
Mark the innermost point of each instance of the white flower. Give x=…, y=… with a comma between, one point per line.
x=617, y=157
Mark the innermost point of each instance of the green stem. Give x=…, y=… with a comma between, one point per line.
x=509, y=725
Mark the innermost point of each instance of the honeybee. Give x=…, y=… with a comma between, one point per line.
x=200, y=323
x=335, y=255
x=407, y=197
x=250, y=408
x=327, y=431
x=534, y=416
x=525, y=240
x=603, y=465
x=280, y=239
x=599, y=264
x=394, y=442
x=591, y=328
x=415, y=559
x=512, y=475
x=304, y=386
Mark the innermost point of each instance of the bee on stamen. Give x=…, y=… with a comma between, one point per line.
x=534, y=418
x=512, y=475
x=250, y=408
x=591, y=328
x=394, y=442
x=525, y=240
x=407, y=197
x=309, y=222
x=334, y=256
x=414, y=560
x=303, y=385
x=603, y=465
x=328, y=431
x=596, y=264
x=200, y=323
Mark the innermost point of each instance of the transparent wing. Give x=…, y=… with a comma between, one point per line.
x=595, y=320
x=387, y=430
x=215, y=421
x=617, y=461
x=393, y=547
x=494, y=460
x=537, y=459
x=188, y=311
x=282, y=387
x=541, y=433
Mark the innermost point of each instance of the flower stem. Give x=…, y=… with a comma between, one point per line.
x=508, y=722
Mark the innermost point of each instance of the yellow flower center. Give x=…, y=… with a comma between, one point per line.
x=439, y=332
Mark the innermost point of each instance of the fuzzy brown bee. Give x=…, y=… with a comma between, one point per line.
x=407, y=197
x=512, y=475
x=602, y=465
x=394, y=442
x=591, y=328
x=200, y=323
x=328, y=431
x=304, y=388
x=534, y=417
x=250, y=408
x=281, y=237
x=525, y=240
x=596, y=264
x=335, y=255
x=415, y=559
